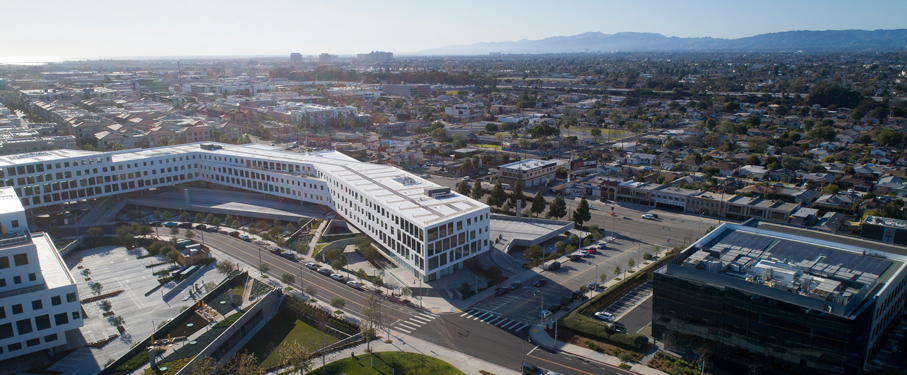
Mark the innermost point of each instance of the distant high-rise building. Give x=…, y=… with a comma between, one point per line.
x=296, y=58
x=324, y=59
x=375, y=56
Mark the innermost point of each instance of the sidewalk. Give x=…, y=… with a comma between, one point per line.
x=403, y=343
x=539, y=336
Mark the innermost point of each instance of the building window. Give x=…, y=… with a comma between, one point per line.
x=61, y=319
x=56, y=300
x=17, y=309
x=75, y=315
x=24, y=326
x=70, y=297
x=32, y=277
x=37, y=305
x=14, y=347
x=21, y=259
x=50, y=338
x=2, y=312
x=42, y=322
x=15, y=223
x=33, y=342
x=4, y=262
x=17, y=279
x=6, y=331
x=2, y=283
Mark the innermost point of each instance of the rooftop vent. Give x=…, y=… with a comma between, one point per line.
x=436, y=192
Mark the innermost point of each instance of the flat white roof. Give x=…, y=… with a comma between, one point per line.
x=528, y=164
x=9, y=202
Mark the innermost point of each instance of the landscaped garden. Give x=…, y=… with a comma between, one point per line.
x=281, y=330
x=389, y=363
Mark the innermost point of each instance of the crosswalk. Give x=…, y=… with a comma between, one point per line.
x=495, y=320
x=416, y=321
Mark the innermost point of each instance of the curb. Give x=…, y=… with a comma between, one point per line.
x=581, y=356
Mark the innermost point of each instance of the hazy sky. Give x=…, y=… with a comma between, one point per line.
x=107, y=28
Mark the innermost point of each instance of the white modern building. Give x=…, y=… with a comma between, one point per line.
x=421, y=226
x=39, y=300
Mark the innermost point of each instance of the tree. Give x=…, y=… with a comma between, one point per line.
x=184, y=216
x=406, y=292
x=582, y=214
x=106, y=305
x=204, y=366
x=497, y=196
x=602, y=278
x=166, y=216
x=241, y=364
x=538, y=204
x=517, y=193
x=209, y=218
x=533, y=252
x=595, y=232
x=95, y=232
x=631, y=263
x=477, y=191
x=225, y=267
x=558, y=207
x=377, y=281
x=465, y=288
x=889, y=137
x=467, y=165
x=463, y=187
x=311, y=291
x=190, y=234
x=824, y=132
x=360, y=274
x=574, y=240
x=831, y=189
x=174, y=231
x=264, y=268
x=119, y=321
x=560, y=247
x=617, y=271
x=198, y=218
x=596, y=132
x=288, y=278
x=297, y=357
x=97, y=288
x=372, y=318
x=338, y=303
x=216, y=222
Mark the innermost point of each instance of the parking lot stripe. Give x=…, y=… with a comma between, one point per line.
x=502, y=321
x=481, y=316
x=495, y=319
x=521, y=327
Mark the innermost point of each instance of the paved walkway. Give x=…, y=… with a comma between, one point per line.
x=403, y=343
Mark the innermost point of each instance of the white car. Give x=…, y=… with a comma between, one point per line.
x=648, y=217
x=544, y=314
x=354, y=284
x=601, y=315
x=244, y=237
x=337, y=276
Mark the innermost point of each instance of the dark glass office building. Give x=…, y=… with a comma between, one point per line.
x=779, y=303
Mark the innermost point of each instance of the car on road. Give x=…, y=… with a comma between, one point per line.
x=184, y=225
x=540, y=282
x=554, y=266
x=274, y=250
x=170, y=224
x=554, y=307
x=601, y=315
x=354, y=284
x=648, y=216
x=466, y=178
x=544, y=314
x=201, y=226
x=311, y=265
x=289, y=255
x=575, y=257
x=501, y=291
x=593, y=285
x=515, y=285
x=245, y=237
x=337, y=276
x=655, y=215
x=234, y=234
x=426, y=175
x=325, y=271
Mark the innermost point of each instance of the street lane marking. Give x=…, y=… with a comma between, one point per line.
x=495, y=319
x=555, y=363
x=405, y=325
x=502, y=321
x=466, y=313
x=533, y=349
x=401, y=329
x=420, y=319
x=509, y=326
x=521, y=327
x=428, y=314
x=481, y=316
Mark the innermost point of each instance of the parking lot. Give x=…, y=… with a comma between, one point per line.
x=633, y=310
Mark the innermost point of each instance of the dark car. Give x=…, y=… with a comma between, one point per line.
x=184, y=225
x=501, y=291
x=274, y=250
x=121, y=223
x=655, y=215
x=540, y=282
x=514, y=285
x=554, y=266
x=575, y=257
x=201, y=226
x=554, y=307
x=579, y=295
x=234, y=234
x=155, y=223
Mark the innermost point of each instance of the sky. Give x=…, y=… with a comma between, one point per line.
x=67, y=29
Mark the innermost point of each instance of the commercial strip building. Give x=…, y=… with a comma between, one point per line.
x=423, y=227
x=730, y=206
x=39, y=299
x=531, y=172
x=781, y=300
x=888, y=230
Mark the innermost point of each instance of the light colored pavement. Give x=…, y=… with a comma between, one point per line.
x=540, y=337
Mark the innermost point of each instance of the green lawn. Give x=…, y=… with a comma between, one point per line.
x=405, y=363
x=485, y=145
x=283, y=328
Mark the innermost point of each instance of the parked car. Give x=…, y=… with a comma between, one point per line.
x=201, y=226
x=514, y=285
x=289, y=255
x=426, y=175
x=155, y=223
x=311, y=265
x=337, y=276
x=245, y=237
x=325, y=271
x=170, y=224
x=274, y=250
x=501, y=291
x=466, y=178
x=554, y=266
x=593, y=285
x=354, y=284
x=544, y=314
x=554, y=307
x=601, y=315
x=184, y=225
x=540, y=282
x=591, y=249
x=602, y=247
x=655, y=215
x=575, y=257
x=579, y=295
x=648, y=216
x=234, y=234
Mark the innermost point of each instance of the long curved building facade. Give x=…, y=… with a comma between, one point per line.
x=424, y=228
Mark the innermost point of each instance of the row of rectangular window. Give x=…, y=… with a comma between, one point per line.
x=38, y=304
x=42, y=322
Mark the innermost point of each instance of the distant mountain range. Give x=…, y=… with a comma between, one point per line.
x=807, y=41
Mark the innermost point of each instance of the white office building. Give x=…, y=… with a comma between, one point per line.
x=421, y=226
x=39, y=300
